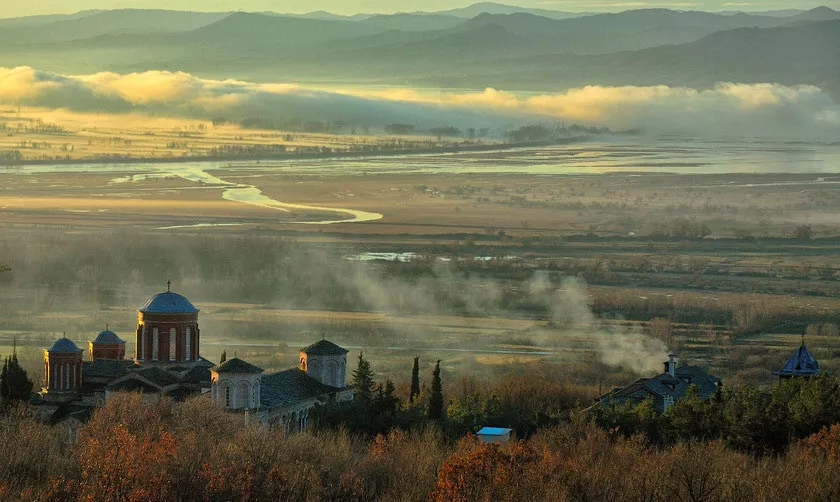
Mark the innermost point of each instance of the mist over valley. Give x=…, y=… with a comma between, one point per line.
x=413, y=239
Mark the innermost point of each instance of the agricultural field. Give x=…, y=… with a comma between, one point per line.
x=34, y=134
x=727, y=270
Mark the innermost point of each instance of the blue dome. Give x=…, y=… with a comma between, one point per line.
x=107, y=336
x=64, y=345
x=168, y=303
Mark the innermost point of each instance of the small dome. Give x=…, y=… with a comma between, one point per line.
x=168, y=303
x=107, y=336
x=64, y=345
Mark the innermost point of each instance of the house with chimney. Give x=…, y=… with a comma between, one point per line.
x=666, y=388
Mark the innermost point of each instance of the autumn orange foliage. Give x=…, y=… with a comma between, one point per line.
x=133, y=450
x=483, y=471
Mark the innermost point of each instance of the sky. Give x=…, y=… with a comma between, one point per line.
x=13, y=8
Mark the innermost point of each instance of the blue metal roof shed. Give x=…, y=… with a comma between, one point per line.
x=494, y=434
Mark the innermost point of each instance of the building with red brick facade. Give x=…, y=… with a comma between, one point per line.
x=107, y=345
x=167, y=362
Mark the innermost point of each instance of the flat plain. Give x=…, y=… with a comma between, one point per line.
x=729, y=268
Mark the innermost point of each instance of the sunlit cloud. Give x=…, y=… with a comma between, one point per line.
x=765, y=109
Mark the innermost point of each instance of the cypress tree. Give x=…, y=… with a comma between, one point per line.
x=392, y=402
x=15, y=384
x=435, y=410
x=224, y=357
x=363, y=380
x=415, y=381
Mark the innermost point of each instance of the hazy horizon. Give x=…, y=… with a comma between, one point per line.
x=48, y=7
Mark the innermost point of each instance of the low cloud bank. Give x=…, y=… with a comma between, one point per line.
x=742, y=110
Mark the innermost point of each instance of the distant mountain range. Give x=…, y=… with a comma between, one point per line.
x=486, y=44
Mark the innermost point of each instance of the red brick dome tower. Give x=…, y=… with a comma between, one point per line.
x=63, y=367
x=107, y=345
x=167, y=329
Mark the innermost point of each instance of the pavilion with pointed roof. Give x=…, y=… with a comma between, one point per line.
x=800, y=365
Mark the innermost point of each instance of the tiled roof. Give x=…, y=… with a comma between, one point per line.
x=324, y=348
x=236, y=365
x=665, y=386
x=168, y=303
x=158, y=376
x=197, y=374
x=290, y=386
x=108, y=368
x=134, y=385
x=49, y=413
x=802, y=363
x=64, y=345
x=108, y=336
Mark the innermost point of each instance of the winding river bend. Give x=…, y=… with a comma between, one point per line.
x=249, y=194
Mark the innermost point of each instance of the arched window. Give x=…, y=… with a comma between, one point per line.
x=315, y=369
x=243, y=396
x=155, y=344
x=141, y=344
x=187, y=352
x=173, y=344
x=255, y=401
x=332, y=373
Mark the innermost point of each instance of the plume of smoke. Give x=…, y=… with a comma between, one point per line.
x=567, y=306
x=627, y=347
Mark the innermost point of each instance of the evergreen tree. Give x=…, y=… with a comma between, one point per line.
x=15, y=384
x=363, y=380
x=435, y=411
x=224, y=357
x=389, y=403
x=415, y=381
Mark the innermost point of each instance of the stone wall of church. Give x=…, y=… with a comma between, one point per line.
x=235, y=391
x=296, y=417
x=329, y=370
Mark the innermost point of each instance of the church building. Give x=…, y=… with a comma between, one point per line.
x=285, y=398
x=167, y=361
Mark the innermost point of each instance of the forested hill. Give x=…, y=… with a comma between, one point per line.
x=497, y=46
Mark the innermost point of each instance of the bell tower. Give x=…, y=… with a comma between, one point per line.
x=167, y=329
x=62, y=367
x=326, y=362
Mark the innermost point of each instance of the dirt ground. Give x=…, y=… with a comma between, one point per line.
x=529, y=217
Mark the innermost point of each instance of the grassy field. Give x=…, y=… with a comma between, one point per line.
x=728, y=270
x=53, y=135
